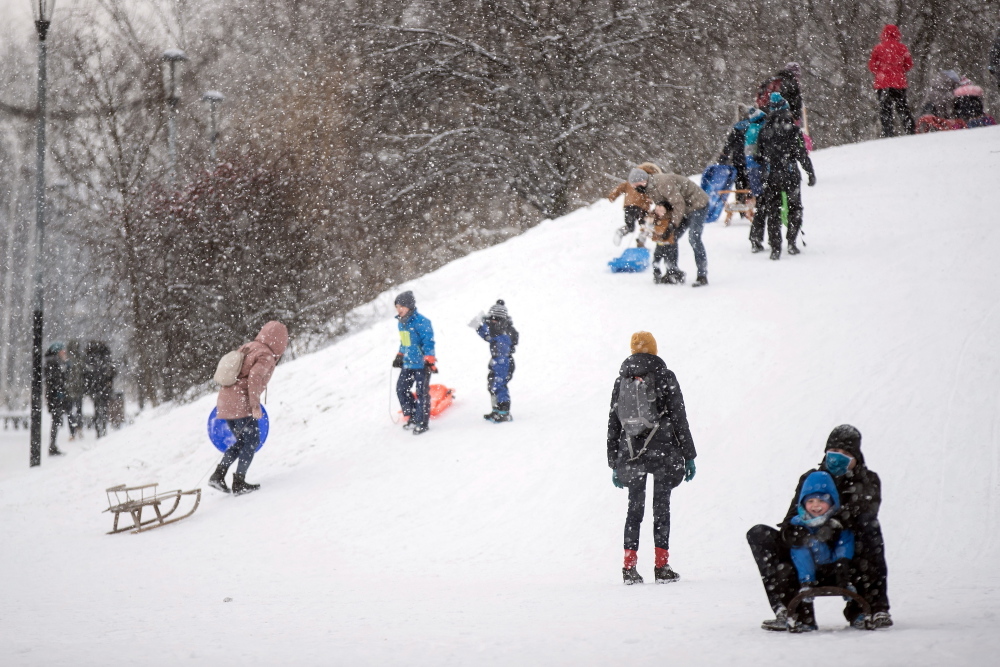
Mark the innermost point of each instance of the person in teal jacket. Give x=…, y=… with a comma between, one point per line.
x=417, y=361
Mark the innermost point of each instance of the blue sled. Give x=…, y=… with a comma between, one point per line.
x=717, y=177
x=633, y=260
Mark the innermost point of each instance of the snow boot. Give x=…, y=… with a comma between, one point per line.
x=418, y=429
x=620, y=234
x=756, y=246
x=55, y=451
x=779, y=623
x=776, y=253
x=631, y=576
x=218, y=479
x=798, y=627
x=240, y=486
x=674, y=277
x=665, y=575
x=702, y=281
x=881, y=619
x=407, y=423
x=499, y=416
x=793, y=249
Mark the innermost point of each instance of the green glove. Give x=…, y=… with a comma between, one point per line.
x=615, y=480
x=689, y=470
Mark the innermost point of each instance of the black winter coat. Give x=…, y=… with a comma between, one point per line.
x=781, y=149
x=55, y=384
x=733, y=152
x=860, y=497
x=672, y=443
x=792, y=93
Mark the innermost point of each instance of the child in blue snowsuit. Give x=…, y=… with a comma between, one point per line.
x=823, y=559
x=417, y=361
x=497, y=329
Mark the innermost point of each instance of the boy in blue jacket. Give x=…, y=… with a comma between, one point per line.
x=417, y=361
x=497, y=329
x=824, y=557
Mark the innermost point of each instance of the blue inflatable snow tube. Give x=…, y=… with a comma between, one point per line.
x=223, y=438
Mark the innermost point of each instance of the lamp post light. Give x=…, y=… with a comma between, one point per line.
x=43, y=18
x=172, y=84
x=214, y=98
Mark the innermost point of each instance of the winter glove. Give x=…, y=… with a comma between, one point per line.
x=812, y=180
x=429, y=364
x=689, y=470
x=398, y=361
x=614, y=480
x=477, y=321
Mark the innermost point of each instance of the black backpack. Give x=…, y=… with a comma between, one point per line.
x=636, y=410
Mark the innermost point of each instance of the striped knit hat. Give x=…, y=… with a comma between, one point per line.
x=498, y=311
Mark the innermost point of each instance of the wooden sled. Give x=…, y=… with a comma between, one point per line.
x=147, y=497
x=747, y=208
x=827, y=591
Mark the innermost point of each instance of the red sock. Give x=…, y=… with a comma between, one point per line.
x=662, y=556
x=631, y=558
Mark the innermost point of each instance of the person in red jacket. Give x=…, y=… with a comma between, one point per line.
x=889, y=62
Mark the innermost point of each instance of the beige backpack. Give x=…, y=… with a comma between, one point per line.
x=228, y=370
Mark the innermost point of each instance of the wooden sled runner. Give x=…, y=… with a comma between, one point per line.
x=126, y=502
x=827, y=591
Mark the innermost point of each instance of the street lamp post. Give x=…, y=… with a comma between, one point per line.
x=172, y=84
x=214, y=98
x=43, y=18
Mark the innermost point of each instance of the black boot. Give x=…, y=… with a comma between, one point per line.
x=631, y=576
x=793, y=249
x=501, y=413
x=665, y=575
x=756, y=246
x=55, y=451
x=702, y=281
x=775, y=253
x=240, y=485
x=218, y=479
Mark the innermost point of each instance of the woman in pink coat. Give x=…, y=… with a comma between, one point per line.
x=239, y=404
x=889, y=62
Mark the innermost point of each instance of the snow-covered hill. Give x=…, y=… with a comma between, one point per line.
x=501, y=545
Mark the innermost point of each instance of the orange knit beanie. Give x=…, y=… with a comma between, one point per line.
x=643, y=342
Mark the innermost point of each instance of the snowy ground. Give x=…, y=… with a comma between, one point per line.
x=501, y=545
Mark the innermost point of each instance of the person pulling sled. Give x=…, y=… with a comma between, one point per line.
x=648, y=434
x=417, y=361
x=497, y=329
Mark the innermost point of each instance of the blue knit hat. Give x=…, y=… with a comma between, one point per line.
x=777, y=102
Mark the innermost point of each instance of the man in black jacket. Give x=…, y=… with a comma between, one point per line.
x=781, y=149
x=860, y=496
x=665, y=451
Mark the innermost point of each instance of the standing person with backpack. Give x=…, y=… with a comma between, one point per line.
x=417, y=361
x=889, y=62
x=497, y=329
x=781, y=150
x=648, y=434
x=239, y=404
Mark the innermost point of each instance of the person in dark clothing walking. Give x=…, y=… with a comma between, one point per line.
x=417, y=361
x=497, y=329
x=661, y=446
x=733, y=152
x=889, y=62
x=860, y=497
x=239, y=404
x=55, y=391
x=98, y=379
x=780, y=151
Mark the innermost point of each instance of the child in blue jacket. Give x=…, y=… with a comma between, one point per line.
x=823, y=558
x=497, y=329
x=417, y=361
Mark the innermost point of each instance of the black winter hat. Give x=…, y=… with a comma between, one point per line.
x=848, y=438
x=406, y=300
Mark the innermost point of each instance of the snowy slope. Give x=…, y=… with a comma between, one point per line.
x=501, y=545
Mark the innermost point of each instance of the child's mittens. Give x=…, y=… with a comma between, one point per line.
x=477, y=321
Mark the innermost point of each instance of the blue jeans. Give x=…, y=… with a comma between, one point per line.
x=695, y=223
x=417, y=409
x=247, y=435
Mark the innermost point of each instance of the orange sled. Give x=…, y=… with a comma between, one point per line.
x=441, y=398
